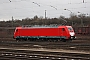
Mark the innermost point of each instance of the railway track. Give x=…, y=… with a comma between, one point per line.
x=27, y=54
x=48, y=45
x=30, y=50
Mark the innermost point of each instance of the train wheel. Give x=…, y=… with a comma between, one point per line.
x=63, y=40
x=17, y=39
x=25, y=39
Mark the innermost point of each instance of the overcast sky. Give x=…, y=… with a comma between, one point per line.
x=21, y=9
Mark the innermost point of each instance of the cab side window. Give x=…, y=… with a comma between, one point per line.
x=63, y=29
x=16, y=30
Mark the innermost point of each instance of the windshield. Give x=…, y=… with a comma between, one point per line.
x=70, y=29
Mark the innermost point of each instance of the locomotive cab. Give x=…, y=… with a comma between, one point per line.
x=16, y=33
x=71, y=32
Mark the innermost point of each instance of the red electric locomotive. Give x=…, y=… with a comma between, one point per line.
x=64, y=33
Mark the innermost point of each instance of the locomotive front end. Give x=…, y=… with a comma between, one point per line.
x=71, y=32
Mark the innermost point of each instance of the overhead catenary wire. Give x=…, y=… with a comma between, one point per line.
x=36, y=3
x=52, y=6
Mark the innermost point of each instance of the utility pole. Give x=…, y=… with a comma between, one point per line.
x=83, y=1
x=45, y=14
x=82, y=23
x=12, y=21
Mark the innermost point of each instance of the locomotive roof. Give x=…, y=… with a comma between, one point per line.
x=42, y=27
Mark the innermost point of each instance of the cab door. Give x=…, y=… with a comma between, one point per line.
x=63, y=32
